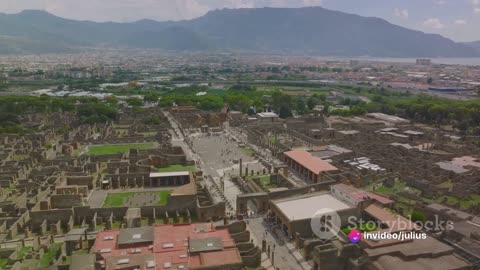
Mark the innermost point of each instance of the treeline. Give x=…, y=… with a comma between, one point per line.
x=187, y=96
x=243, y=98
x=89, y=110
x=462, y=115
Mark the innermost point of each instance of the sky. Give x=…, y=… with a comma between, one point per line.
x=455, y=19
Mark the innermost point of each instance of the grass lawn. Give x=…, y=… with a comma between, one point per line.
x=177, y=168
x=116, y=199
x=116, y=148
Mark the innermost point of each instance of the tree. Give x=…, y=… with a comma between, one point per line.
x=112, y=100
x=151, y=97
x=285, y=112
x=418, y=216
x=154, y=120
x=312, y=102
x=210, y=103
x=300, y=106
x=134, y=102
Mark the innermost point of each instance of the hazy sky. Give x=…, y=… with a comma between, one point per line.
x=455, y=19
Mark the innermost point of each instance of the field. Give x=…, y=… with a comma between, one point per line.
x=177, y=168
x=135, y=198
x=118, y=148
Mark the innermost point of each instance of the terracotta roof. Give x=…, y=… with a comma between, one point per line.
x=215, y=259
x=310, y=162
x=169, y=249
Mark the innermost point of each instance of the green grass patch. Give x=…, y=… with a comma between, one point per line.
x=3, y=262
x=474, y=199
x=264, y=181
x=118, y=148
x=177, y=168
x=51, y=254
x=368, y=227
x=248, y=151
x=22, y=252
x=446, y=184
x=117, y=224
x=117, y=199
x=398, y=187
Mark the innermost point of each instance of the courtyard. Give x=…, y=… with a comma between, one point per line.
x=220, y=155
x=176, y=168
x=136, y=199
x=118, y=148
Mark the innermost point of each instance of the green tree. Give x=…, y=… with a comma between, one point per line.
x=418, y=216
x=312, y=102
x=134, y=102
x=151, y=97
x=300, y=106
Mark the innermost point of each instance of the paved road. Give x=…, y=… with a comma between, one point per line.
x=286, y=257
x=179, y=140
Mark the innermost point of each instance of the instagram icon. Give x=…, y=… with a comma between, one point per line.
x=355, y=236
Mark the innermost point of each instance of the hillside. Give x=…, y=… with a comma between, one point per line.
x=312, y=30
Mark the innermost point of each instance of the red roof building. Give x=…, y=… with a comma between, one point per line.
x=186, y=246
x=307, y=165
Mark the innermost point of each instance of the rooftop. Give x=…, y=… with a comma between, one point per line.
x=168, y=174
x=135, y=235
x=305, y=206
x=205, y=244
x=444, y=262
x=267, y=115
x=312, y=163
x=360, y=195
x=167, y=247
x=83, y=262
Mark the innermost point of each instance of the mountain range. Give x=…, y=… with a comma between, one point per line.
x=474, y=44
x=308, y=31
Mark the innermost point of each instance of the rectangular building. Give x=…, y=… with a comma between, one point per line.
x=307, y=165
x=185, y=246
x=294, y=214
